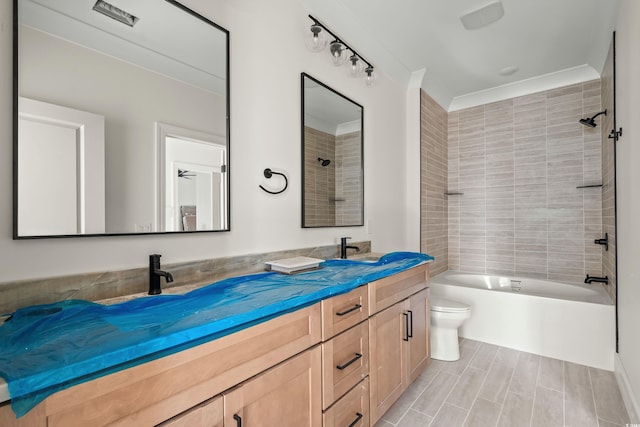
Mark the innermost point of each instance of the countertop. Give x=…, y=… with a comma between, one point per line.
x=44, y=349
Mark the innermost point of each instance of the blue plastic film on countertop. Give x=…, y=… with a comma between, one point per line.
x=46, y=348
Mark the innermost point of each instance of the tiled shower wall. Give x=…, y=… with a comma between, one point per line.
x=518, y=163
x=332, y=193
x=433, y=183
x=608, y=175
x=319, y=181
x=348, y=191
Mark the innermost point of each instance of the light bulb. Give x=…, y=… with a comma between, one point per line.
x=338, y=52
x=370, y=76
x=355, y=66
x=316, y=40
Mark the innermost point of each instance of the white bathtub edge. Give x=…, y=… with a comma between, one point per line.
x=629, y=398
x=538, y=334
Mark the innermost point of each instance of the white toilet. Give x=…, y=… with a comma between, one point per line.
x=446, y=317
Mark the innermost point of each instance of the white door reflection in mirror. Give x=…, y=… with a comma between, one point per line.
x=61, y=161
x=192, y=177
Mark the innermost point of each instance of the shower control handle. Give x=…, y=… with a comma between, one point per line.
x=604, y=242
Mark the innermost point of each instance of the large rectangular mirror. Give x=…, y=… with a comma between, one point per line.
x=332, y=157
x=121, y=119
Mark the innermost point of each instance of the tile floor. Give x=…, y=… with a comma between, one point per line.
x=497, y=386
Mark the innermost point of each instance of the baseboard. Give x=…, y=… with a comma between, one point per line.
x=630, y=400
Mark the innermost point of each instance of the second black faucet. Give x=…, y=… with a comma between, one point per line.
x=344, y=247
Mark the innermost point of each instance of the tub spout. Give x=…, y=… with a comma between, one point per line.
x=591, y=279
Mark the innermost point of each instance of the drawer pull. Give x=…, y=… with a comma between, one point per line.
x=344, y=366
x=238, y=419
x=358, y=418
x=354, y=308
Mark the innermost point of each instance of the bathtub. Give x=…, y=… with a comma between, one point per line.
x=575, y=323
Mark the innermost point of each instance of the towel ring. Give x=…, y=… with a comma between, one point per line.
x=268, y=173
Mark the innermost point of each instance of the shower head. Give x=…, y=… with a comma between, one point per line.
x=589, y=121
x=324, y=162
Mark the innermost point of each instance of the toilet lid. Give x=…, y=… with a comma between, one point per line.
x=447, y=305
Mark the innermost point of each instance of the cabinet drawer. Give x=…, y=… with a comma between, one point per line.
x=350, y=411
x=345, y=362
x=158, y=390
x=343, y=311
x=207, y=414
x=385, y=292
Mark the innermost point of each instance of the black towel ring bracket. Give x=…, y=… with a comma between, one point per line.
x=268, y=173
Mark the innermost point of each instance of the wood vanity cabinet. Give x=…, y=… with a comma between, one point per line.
x=398, y=336
x=287, y=395
x=341, y=362
x=207, y=414
x=154, y=392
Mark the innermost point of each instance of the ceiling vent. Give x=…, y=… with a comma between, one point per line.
x=113, y=12
x=483, y=16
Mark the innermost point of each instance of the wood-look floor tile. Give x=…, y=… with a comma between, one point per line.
x=525, y=375
x=578, y=399
x=466, y=390
x=495, y=386
x=516, y=411
x=449, y=416
x=605, y=423
x=435, y=394
x=547, y=408
x=402, y=405
x=415, y=419
x=609, y=403
x=483, y=414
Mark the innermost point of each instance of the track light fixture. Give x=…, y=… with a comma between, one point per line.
x=339, y=51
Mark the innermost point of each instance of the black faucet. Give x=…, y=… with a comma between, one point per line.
x=591, y=279
x=155, y=273
x=344, y=247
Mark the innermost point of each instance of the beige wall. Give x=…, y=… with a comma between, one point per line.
x=628, y=177
x=518, y=163
x=433, y=182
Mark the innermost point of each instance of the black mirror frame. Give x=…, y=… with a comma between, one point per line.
x=15, y=136
x=361, y=224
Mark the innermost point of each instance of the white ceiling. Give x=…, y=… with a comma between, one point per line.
x=553, y=42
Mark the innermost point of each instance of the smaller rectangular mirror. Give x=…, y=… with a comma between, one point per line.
x=332, y=157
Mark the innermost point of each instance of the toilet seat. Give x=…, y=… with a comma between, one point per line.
x=444, y=305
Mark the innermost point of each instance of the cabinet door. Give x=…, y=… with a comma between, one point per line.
x=288, y=395
x=207, y=414
x=418, y=345
x=387, y=330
